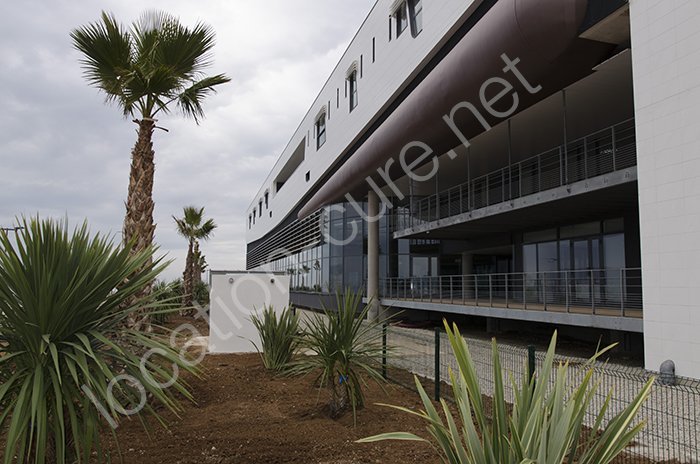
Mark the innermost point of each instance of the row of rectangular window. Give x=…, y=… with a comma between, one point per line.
x=410, y=11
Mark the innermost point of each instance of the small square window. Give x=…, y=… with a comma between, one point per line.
x=321, y=131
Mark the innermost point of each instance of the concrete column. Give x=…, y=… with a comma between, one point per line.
x=373, y=255
x=468, y=270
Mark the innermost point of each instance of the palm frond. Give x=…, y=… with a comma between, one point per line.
x=108, y=55
x=64, y=298
x=190, y=100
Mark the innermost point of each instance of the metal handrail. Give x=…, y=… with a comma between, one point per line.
x=612, y=292
x=601, y=152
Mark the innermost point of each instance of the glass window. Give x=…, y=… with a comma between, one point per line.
x=564, y=255
x=415, y=10
x=267, y=200
x=421, y=266
x=530, y=258
x=352, y=84
x=260, y=206
x=353, y=273
x=401, y=20
x=404, y=266
x=547, y=258
x=614, y=251
x=321, y=131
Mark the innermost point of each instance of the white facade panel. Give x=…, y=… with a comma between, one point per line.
x=395, y=63
x=666, y=62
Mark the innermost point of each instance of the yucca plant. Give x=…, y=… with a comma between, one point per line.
x=64, y=300
x=279, y=337
x=545, y=425
x=343, y=348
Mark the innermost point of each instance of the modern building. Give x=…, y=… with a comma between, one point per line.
x=527, y=163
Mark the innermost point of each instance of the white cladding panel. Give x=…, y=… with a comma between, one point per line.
x=396, y=63
x=666, y=63
x=235, y=296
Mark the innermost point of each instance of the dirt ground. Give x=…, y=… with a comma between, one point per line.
x=245, y=415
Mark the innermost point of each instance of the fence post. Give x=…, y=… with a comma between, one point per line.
x=437, y=363
x=384, y=331
x=531, y=362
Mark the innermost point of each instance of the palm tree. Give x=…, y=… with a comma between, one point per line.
x=146, y=70
x=193, y=227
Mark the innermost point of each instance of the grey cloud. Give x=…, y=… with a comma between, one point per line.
x=63, y=152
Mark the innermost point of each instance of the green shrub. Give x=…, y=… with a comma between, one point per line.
x=64, y=301
x=278, y=337
x=169, y=297
x=201, y=293
x=545, y=425
x=343, y=348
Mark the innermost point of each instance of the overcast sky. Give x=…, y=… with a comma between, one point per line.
x=64, y=152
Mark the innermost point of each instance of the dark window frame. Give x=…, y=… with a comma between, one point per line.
x=402, y=22
x=415, y=14
x=353, y=92
x=321, y=130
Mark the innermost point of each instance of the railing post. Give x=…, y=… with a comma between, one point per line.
x=437, y=363
x=491, y=290
x=430, y=289
x=614, y=148
x=585, y=157
x=592, y=286
x=440, y=289
x=506, y=284
x=384, y=333
x=567, y=292
x=503, y=185
x=622, y=292
x=562, y=167
x=452, y=291
x=476, y=290
x=544, y=290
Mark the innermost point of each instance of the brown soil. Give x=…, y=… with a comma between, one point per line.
x=246, y=415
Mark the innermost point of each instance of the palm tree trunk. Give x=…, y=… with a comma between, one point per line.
x=138, y=228
x=196, y=269
x=187, y=276
x=138, y=223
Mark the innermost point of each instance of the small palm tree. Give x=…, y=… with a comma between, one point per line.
x=345, y=349
x=156, y=64
x=193, y=227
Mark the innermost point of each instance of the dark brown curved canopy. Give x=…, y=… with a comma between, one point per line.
x=542, y=34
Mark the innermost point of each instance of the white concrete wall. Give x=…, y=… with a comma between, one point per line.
x=666, y=64
x=235, y=296
x=397, y=61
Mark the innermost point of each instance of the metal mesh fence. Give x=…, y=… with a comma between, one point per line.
x=672, y=412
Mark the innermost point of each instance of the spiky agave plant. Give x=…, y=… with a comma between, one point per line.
x=344, y=348
x=544, y=426
x=63, y=340
x=279, y=337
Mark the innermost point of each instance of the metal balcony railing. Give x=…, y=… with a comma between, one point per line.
x=601, y=292
x=601, y=152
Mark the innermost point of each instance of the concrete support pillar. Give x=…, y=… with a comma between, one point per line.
x=373, y=255
x=468, y=270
